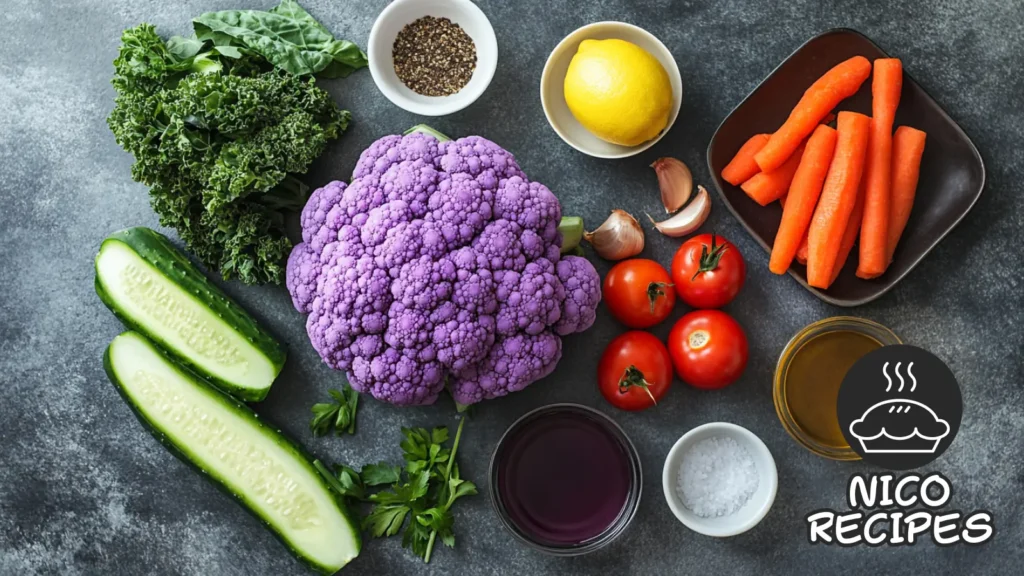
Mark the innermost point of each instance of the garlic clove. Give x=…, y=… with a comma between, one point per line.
x=618, y=237
x=688, y=219
x=675, y=181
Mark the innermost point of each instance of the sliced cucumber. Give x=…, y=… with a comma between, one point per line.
x=155, y=290
x=271, y=476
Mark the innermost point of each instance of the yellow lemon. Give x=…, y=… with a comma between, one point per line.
x=618, y=91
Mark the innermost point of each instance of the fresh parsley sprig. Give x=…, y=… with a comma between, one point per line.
x=420, y=496
x=339, y=414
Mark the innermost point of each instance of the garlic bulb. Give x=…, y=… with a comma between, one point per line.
x=688, y=219
x=620, y=236
x=675, y=181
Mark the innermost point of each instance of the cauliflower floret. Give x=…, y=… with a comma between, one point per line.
x=382, y=219
x=531, y=205
x=360, y=197
x=461, y=208
x=474, y=155
x=352, y=299
x=582, y=295
x=513, y=364
x=391, y=150
x=530, y=301
x=398, y=379
x=323, y=216
x=301, y=276
x=500, y=244
x=413, y=182
x=320, y=203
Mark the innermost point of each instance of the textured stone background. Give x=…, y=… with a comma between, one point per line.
x=83, y=490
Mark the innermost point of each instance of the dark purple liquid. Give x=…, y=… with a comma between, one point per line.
x=563, y=477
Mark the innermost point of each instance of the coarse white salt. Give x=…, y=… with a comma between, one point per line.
x=717, y=477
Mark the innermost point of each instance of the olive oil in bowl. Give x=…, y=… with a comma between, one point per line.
x=808, y=376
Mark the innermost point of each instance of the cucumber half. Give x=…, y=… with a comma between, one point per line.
x=155, y=290
x=267, y=473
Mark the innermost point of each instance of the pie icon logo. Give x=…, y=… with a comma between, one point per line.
x=899, y=407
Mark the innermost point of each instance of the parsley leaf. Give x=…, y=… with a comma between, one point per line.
x=386, y=519
x=347, y=482
x=339, y=414
x=380, y=474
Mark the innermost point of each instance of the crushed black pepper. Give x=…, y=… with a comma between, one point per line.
x=434, y=56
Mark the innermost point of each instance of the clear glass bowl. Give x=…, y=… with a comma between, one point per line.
x=868, y=328
x=629, y=508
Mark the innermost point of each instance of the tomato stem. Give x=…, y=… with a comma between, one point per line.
x=709, y=260
x=656, y=290
x=632, y=376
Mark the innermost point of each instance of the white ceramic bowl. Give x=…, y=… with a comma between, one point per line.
x=753, y=511
x=552, y=95
x=401, y=12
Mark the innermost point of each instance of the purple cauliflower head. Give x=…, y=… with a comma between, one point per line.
x=438, y=266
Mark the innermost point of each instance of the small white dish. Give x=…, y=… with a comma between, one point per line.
x=382, y=67
x=552, y=94
x=753, y=511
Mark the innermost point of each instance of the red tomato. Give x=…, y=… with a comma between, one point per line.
x=708, y=271
x=635, y=371
x=639, y=293
x=708, y=348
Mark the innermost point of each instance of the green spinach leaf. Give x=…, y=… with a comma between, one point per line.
x=287, y=36
x=184, y=48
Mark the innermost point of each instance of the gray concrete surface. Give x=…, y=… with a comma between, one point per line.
x=83, y=490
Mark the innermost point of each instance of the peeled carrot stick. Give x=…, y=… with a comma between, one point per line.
x=838, y=197
x=849, y=236
x=742, y=166
x=801, y=253
x=886, y=86
x=836, y=85
x=907, y=149
x=803, y=197
x=767, y=187
x=874, y=232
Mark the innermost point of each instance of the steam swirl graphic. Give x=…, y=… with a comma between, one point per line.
x=896, y=370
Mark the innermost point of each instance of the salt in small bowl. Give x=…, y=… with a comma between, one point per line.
x=752, y=511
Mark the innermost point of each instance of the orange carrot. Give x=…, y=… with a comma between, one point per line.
x=767, y=187
x=803, y=197
x=886, y=87
x=836, y=85
x=801, y=253
x=742, y=166
x=849, y=236
x=874, y=232
x=907, y=149
x=838, y=197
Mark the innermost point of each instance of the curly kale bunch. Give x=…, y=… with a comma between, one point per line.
x=218, y=136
